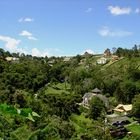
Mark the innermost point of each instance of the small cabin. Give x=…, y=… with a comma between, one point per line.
x=102, y=61
x=123, y=109
x=115, y=57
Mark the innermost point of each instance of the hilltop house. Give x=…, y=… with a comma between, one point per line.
x=82, y=61
x=115, y=57
x=67, y=59
x=11, y=59
x=95, y=93
x=87, y=54
x=124, y=109
x=51, y=62
x=102, y=61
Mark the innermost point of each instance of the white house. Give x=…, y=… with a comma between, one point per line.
x=102, y=61
x=11, y=59
x=67, y=59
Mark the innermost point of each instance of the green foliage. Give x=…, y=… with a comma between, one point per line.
x=113, y=102
x=136, y=106
x=88, y=129
x=4, y=108
x=96, y=108
x=22, y=133
x=62, y=106
x=25, y=112
x=134, y=52
x=135, y=129
x=39, y=96
x=126, y=92
x=55, y=129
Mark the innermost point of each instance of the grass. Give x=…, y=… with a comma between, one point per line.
x=134, y=128
x=130, y=138
x=59, y=88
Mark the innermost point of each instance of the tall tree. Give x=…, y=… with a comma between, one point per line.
x=136, y=106
x=97, y=107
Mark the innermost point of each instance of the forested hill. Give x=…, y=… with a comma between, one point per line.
x=48, y=90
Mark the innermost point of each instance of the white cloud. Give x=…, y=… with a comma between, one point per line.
x=46, y=52
x=116, y=10
x=105, y=31
x=11, y=43
x=25, y=33
x=137, y=10
x=89, y=10
x=36, y=52
x=20, y=50
x=26, y=19
x=32, y=38
x=28, y=35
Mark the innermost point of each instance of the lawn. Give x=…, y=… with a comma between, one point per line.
x=130, y=138
x=134, y=128
x=59, y=88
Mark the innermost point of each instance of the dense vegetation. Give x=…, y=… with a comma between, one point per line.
x=39, y=96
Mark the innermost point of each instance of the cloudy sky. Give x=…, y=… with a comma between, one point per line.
x=68, y=27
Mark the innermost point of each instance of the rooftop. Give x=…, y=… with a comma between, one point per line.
x=96, y=90
x=122, y=108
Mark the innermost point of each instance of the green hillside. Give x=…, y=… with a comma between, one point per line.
x=41, y=98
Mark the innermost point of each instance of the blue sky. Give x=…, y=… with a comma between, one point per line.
x=68, y=27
